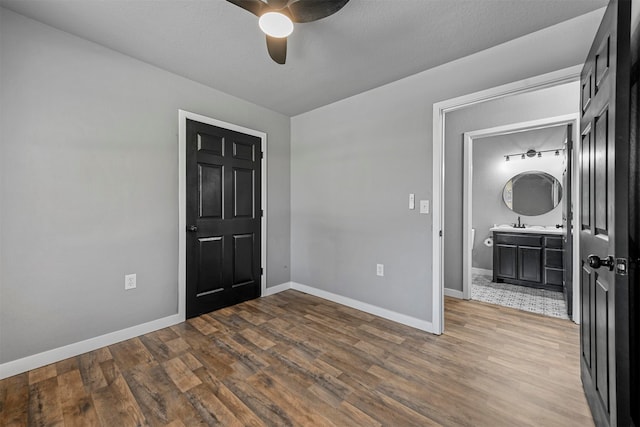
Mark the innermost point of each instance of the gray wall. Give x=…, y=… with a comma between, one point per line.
x=491, y=172
x=549, y=102
x=89, y=186
x=354, y=162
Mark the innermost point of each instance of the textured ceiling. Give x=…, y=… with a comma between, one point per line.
x=366, y=44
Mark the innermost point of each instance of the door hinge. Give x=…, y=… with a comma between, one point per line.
x=440, y=233
x=622, y=267
x=261, y=271
x=261, y=212
x=262, y=155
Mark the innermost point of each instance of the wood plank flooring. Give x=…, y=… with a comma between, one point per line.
x=292, y=359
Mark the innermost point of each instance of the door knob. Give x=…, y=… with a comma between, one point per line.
x=596, y=262
x=192, y=228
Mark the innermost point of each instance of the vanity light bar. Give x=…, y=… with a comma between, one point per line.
x=533, y=153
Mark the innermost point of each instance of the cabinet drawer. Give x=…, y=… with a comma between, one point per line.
x=553, y=258
x=553, y=276
x=518, y=239
x=554, y=242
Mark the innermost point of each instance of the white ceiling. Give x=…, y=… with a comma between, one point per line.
x=366, y=44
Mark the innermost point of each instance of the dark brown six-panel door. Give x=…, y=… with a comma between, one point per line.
x=604, y=221
x=223, y=216
x=634, y=230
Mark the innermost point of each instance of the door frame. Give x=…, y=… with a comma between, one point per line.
x=182, y=200
x=440, y=109
x=467, y=185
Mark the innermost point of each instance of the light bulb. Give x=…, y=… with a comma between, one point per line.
x=275, y=24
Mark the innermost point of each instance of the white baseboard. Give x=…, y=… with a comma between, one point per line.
x=482, y=271
x=454, y=293
x=28, y=363
x=276, y=289
x=367, y=308
x=35, y=361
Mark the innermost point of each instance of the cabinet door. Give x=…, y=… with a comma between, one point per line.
x=530, y=264
x=506, y=261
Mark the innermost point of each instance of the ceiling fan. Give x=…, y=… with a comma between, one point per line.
x=276, y=18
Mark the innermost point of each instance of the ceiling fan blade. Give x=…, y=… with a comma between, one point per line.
x=312, y=10
x=277, y=4
x=277, y=48
x=256, y=7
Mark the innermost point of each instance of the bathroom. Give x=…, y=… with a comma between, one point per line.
x=519, y=244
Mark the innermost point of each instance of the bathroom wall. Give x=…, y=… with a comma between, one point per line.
x=491, y=172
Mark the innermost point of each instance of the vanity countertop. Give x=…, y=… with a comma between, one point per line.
x=538, y=229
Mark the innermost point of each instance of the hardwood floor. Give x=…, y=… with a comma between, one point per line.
x=294, y=359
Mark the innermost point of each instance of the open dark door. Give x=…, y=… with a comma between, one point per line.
x=604, y=222
x=223, y=217
x=567, y=216
x=634, y=203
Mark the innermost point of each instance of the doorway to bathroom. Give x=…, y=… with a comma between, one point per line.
x=517, y=204
x=532, y=101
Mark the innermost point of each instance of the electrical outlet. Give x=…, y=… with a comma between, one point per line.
x=379, y=269
x=129, y=281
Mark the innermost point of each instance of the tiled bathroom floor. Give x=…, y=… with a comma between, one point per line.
x=542, y=301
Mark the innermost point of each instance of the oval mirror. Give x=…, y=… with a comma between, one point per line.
x=532, y=193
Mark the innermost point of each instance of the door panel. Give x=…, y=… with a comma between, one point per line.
x=243, y=193
x=585, y=316
x=210, y=191
x=602, y=62
x=243, y=249
x=585, y=174
x=243, y=151
x=223, y=217
x=600, y=171
x=211, y=144
x=210, y=265
x=604, y=237
x=586, y=84
x=602, y=340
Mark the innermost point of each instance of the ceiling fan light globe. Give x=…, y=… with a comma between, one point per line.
x=275, y=24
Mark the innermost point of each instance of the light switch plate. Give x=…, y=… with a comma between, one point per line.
x=412, y=201
x=424, y=206
x=380, y=269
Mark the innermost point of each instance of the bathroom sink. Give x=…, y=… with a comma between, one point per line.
x=549, y=229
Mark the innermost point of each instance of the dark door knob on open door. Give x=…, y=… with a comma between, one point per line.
x=596, y=262
x=192, y=228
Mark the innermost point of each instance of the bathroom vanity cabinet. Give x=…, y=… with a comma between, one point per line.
x=528, y=259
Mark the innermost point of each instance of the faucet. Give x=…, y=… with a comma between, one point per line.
x=519, y=224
